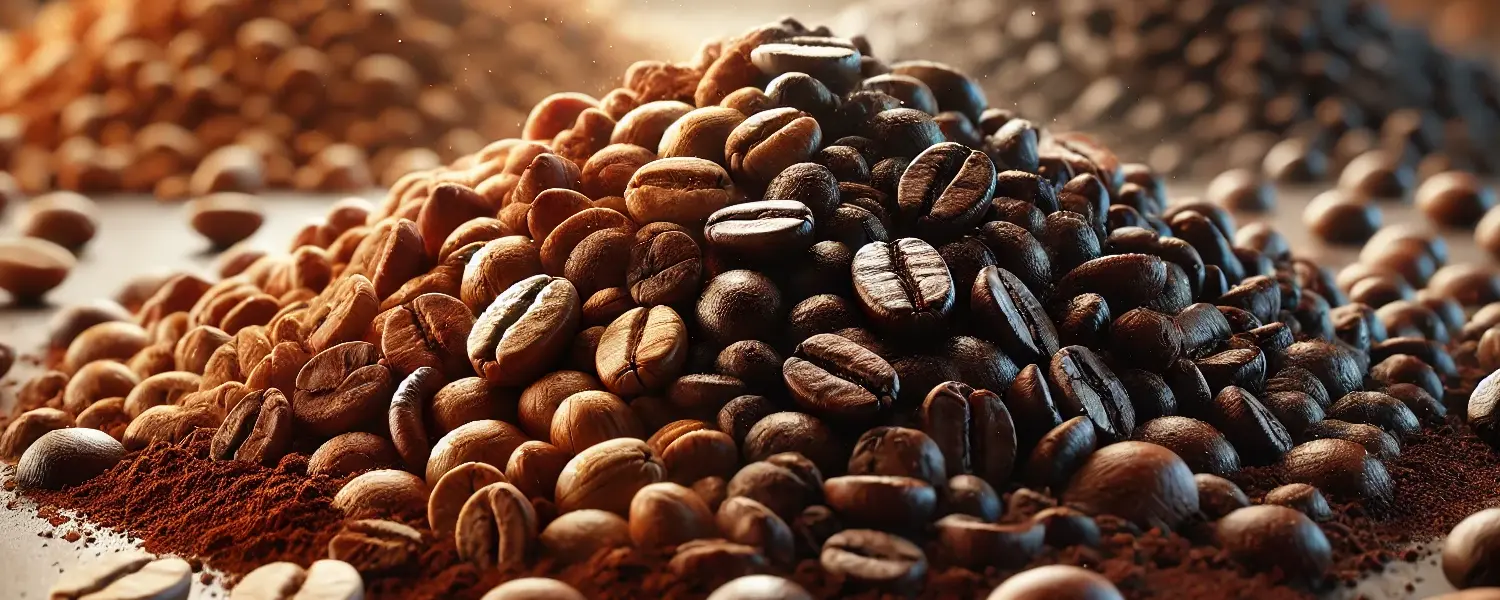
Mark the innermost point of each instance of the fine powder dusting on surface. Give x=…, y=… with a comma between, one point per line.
x=237, y=516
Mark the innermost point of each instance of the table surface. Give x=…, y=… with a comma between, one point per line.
x=140, y=235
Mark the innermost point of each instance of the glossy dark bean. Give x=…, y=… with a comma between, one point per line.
x=828, y=374
x=1031, y=406
x=903, y=286
x=1340, y=468
x=1148, y=392
x=1060, y=452
x=1126, y=281
x=874, y=559
x=739, y=415
x=1378, y=409
x=1428, y=351
x=900, y=452
x=1203, y=329
x=1070, y=240
x=1250, y=426
x=1203, y=448
x=1245, y=368
x=824, y=313
x=1405, y=368
x=1009, y=313
x=945, y=191
x=1085, y=386
x=1429, y=410
x=1303, y=498
x=765, y=231
x=903, y=131
x=1145, y=339
x=1336, y=367
x=1374, y=439
x=812, y=184
x=1085, y=321
x=1258, y=295
x=969, y=495
x=1013, y=146
x=979, y=363
x=1210, y=241
x=1018, y=251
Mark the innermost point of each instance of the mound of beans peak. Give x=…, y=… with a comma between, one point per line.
x=789, y=311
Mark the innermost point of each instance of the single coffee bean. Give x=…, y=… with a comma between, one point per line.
x=1012, y=316
x=384, y=491
x=668, y=514
x=642, y=350
x=1218, y=496
x=711, y=562
x=1337, y=368
x=904, y=286
x=525, y=330
x=745, y=521
x=738, y=305
x=1146, y=339
x=741, y=414
x=1070, y=240
x=1276, y=537
x=1149, y=393
x=67, y=456
x=824, y=313
x=454, y=489
x=340, y=389
x=1203, y=448
x=31, y=267
x=1140, y=482
x=325, y=578
x=903, y=132
x=607, y=475
x=751, y=587
x=1483, y=412
x=1056, y=581
x=487, y=441
x=351, y=453
x=496, y=526
x=1085, y=321
x=1086, y=386
x=1341, y=219
x=1060, y=453
x=945, y=191
x=258, y=430
x=1427, y=351
x=874, y=558
x=578, y=535
x=1244, y=367
x=26, y=428
x=1425, y=406
x=1374, y=439
x=1241, y=190
x=768, y=142
x=225, y=218
x=1303, y=498
x=375, y=545
x=900, y=452
x=969, y=495
x=1468, y=548
x=1340, y=468
x=1377, y=174
x=975, y=543
x=1018, y=251
x=765, y=230
x=829, y=374
x=775, y=486
x=128, y=577
x=1378, y=409
x=754, y=362
x=1108, y=276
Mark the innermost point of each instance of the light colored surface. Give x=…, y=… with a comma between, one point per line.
x=139, y=235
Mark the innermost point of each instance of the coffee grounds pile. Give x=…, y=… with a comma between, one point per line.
x=1202, y=86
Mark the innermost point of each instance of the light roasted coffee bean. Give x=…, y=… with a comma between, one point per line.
x=375, y=545
x=525, y=330
x=340, y=389
x=258, y=429
x=607, y=475
x=497, y=527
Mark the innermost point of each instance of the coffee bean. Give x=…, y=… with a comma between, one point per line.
x=67, y=456
x=1377, y=174
x=1203, y=448
x=1469, y=284
x=969, y=495
x=327, y=578
x=496, y=526
x=1335, y=367
x=954, y=90
x=128, y=576
x=1303, y=498
x=1422, y=404
x=487, y=441
x=225, y=218
x=497, y=266
x=738, y=305
x=1108, y=277
x=1374, y=439
x=1340, y=468
x=775, y=486
x=902, y=452
x=430, y=331
x=745, y=521
x=793, y=432
x=1029, y=400
x=763, y=587
x=341, y=388
x=667, y=514
x=533, y=587
x=1060, y=453
x=874, y=558
x=67, y=219
x=1241, y=190
x=975, y=543
x=1466, y=550
x=701, y=133
x=1427, y=351
x=1482, y=410
x=1067, y=527
x=525, y=330
x=1014, y=146
x=1070, y=240
x=375, y=545
x=592, y=417
x=832, y=375
x=1377, y=409
x=811, y=184
x=768, y=142
x=1218, y=496
x=711, y=561
x=1146, y=339
x=1056, y=581
x=1013, y=316
x=741, y=414
x=351, y=453
x=1140, y=482
x=1086, y=386
x=945, y=191
x=1341, y=219
x=1017, y=251
x=576, y=536
x=258, y=430
x=454, y=489
x=904, y=286
x=1276, y=537
x=607, y=475
x=903, y=132
x=342, y=314
x=30, y=267
x=384, y=491
x=764, y=230
x=642, y=350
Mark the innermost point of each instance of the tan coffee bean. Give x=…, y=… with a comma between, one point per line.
x=96, y=381
x=534, y=468
x=540, y=400
x=258, y=430
x=555, y=113
x=95, y=575
x=454, y=489
x=168, y=423
x=496, y=527
x=525, y=331
x=546, y=171
x=66, y=324
x=178, y=294
x=551, y=208
x=558, y=248
x=430, y=331
x=666, y=514
x=67, y=456
x=31, y=425
x=606, y=305
x=666, y=265
x=229, y=169
x=700, y=454
x=163, y=579
x=107, y=415
x=325, y=579
x=351, y=453
x=592, y=417
x=500, y=264
x=400, y=257
x=383, y=491
x=683, y=190
x=607, y=475
x=342, y=314
x=46, y=389
x=489, y=442
x=153, y=360
x=749, y=101
x=375, y=545
x=643, y=350
x=701, y=133
x=760, y=586
x=340, y=389
x=159, y=389
x=608, y=172
x=646, y=124
x=482, y=230
x=745, y=521
x=533, y=588
x=67, y=219
x=170, y=329
x=448, y=207
x=31, y=267
x=279, y=369
x=471, y=399
x=105, y=341
x=225, y=218
x=574, y=537
x=218, y=401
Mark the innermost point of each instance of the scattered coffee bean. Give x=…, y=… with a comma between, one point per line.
x=1140, y=482
x=1270, y=537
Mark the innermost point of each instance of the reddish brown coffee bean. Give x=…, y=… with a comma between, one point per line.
x=341, y=388
x=30, y=267
x=351, y=453
x=525, y=331
x=1138, y=481
x=67, y=219
x=1342, y=219
x=225, y=218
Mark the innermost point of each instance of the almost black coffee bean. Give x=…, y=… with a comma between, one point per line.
x=1086, y=386
x=1012, y=316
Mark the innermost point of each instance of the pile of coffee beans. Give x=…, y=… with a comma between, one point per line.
x=1299, y=88
x=188, y=98
x=783, y=309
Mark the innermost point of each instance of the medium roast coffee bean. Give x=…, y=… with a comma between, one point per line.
x=874, y=559
x=667, y=514
x=745, y=521
x=764, y=231
x=30, y=267
x=497, y=526
x=454, y=489
x=129, y=577
x=576, y=536
x=430, y=331
x=340, y=389
x=1469, y=547
x=1060, y=453
x=1086, y=386
x=797, y=433
x=768, y=142
x=1303, y=498
x=1341, y=219
x=258, y=430
x=642, y=350
x=775, y=486
x=383, y=491
x=526, y=329
x=752, y=361
x=1377, y=174
x=1241, y=190
x=1140, y=482
x=900, y=452
x=1014, y=318
x=607, y=475
x=945, y=191
x=1340, y=468
x=1203, y=448
x=375, y=545
x=1483, y=412
x=903, y=286
x=829, y=374
x=1276, y=537
x=351, y=453
x=1218, y=496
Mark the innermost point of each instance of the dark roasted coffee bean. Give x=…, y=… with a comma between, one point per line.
x=1429, y=410
x=1377, y=174
x=1145, y=339
x=1295, y=410
x=965, y=258
x=918, y=372
x=1336, y=367
x=1405, y=368
x=1375, y=408
x=793, y=432
x=1060, y=452
x=1250, y=426
x=1276, y=538
x=1016, y=250
x=738, y=305
x=1374, y=439
x=1149, y=394
x=1254, y=262
x=882, y=502
x=823, y=269
x=802, y=92
x=1340, y=468
x=1428, y=351
x=1189, y=387
x=741, y=414
x=945, y=191
x=1340, y=218
x=1258, y=295
x=1244, y=368
x=1029, y=400
x=885, y=175
x=1203, y=448
x=1085, y=321
x=993, y=444
x=954, y=90
x=1012, y=316
x=752, y=361
x=975, y=543
x=828, y=374
x=1014, y=146
x=1210, y=241
x=903, y=286
x=979, y=363
x=902, y=452
x=1070, y=240
x=1241, y=190
x=903, y=132
x=1203, y=328
x=1303, y=498
x=1086, y=195
x=812, y=184
x=969, y=495
x=1214, y=284
x=666, y=266
x=1027, y=187
x=1140, y=482
x=1218, y=496
x=1086, y=386
x=1126, y=281
x=767, y=230
x=874, y=559
x=777, y=487
x=909, y=90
